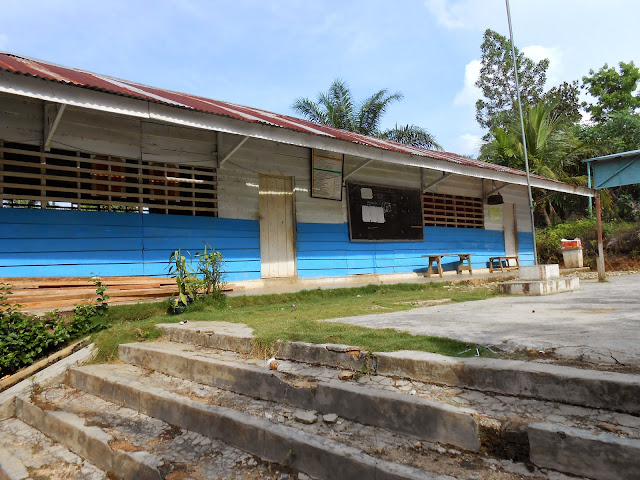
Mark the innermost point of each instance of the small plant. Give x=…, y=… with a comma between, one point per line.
x=86, y=316
x=210, y=265
x=206, y=278
x=177, y=305
x=101, y=297
x=185, y=277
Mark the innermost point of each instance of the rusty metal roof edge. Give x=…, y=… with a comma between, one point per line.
x=354, y=138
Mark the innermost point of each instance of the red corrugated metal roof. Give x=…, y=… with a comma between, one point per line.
x=47, y=71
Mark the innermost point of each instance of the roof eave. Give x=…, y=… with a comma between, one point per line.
x=29, y=86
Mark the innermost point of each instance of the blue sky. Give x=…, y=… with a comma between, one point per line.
x=266, y=53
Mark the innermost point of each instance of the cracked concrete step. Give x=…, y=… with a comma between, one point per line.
x=575, y=386
x=590, y=388
x=131, y=445
x=236, y=337
x=499, y=415
x=27, y=453
x=406, y=414
x=347, y=436
x=88, y=441
x=580, y=452
x=156, y=396
x=504, y=419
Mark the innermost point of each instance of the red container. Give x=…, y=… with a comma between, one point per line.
x=571, y=244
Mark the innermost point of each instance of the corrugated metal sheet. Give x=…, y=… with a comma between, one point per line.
x=47, y=71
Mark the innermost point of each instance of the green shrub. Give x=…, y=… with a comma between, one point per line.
x=25, y=338
x=548, y=240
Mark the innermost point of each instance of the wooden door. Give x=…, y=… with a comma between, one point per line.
x=510, y=230
x=277, y=232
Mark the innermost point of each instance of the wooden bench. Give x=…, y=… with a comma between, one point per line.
x=437, y=258
x=506, y=259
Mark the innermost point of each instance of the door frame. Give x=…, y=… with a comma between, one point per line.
x=290, y=227
x=509, y=211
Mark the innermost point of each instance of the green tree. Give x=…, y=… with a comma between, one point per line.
x=553, y=148
x=613, y=91
x=498, y=85
x=566, y=98
x=337, y=108
x=619, y=133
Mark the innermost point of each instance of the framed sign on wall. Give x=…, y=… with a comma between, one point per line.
x=326, y=174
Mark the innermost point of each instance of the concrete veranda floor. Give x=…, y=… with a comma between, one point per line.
x=599, y=323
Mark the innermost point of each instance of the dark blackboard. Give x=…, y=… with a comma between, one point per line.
x=379, y=213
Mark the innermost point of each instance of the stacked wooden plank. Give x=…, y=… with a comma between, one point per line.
x=36, y=293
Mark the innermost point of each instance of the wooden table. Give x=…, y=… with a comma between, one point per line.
x=461, y=267
x=506, y=259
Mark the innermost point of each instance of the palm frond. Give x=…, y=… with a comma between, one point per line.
x=310, y=110
x=337, y=108
x=411, y=135
x=372, y=109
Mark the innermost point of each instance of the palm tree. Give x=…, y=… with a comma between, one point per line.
x=411, y=135
x=553, y=149
x=337, y=108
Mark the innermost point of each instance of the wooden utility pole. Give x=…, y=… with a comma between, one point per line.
x=601, y=274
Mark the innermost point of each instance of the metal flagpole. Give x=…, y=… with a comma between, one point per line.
x=524, y=138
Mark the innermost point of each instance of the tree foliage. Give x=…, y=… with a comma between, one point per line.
x=556, y=142
x=337, y=108
x=550, y=145
x=553, y=147
x=613, y=90
x=411, y=135
x=619, y=133
x=498, y=84
x=566, y=97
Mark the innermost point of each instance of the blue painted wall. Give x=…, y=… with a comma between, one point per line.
x=45, y=243
x=325, y=250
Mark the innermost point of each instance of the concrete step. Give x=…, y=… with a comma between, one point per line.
x=275, y=432
x=86, y=440
x=502, y=421
x=508, y=425
x=208, y=412
x=19, y=442
x=324, y=392
x=131, y=445
x=603, y=456
x=574, y=386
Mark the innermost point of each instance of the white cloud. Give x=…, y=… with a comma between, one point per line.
x=449, y=16
x=468, y=144
x=554, y=54
x=4, y=41
x=469, y=93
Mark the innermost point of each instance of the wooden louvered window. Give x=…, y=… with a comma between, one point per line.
x=68, y=180
x=441, y=210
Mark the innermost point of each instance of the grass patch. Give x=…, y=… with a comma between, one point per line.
x=295, y=317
